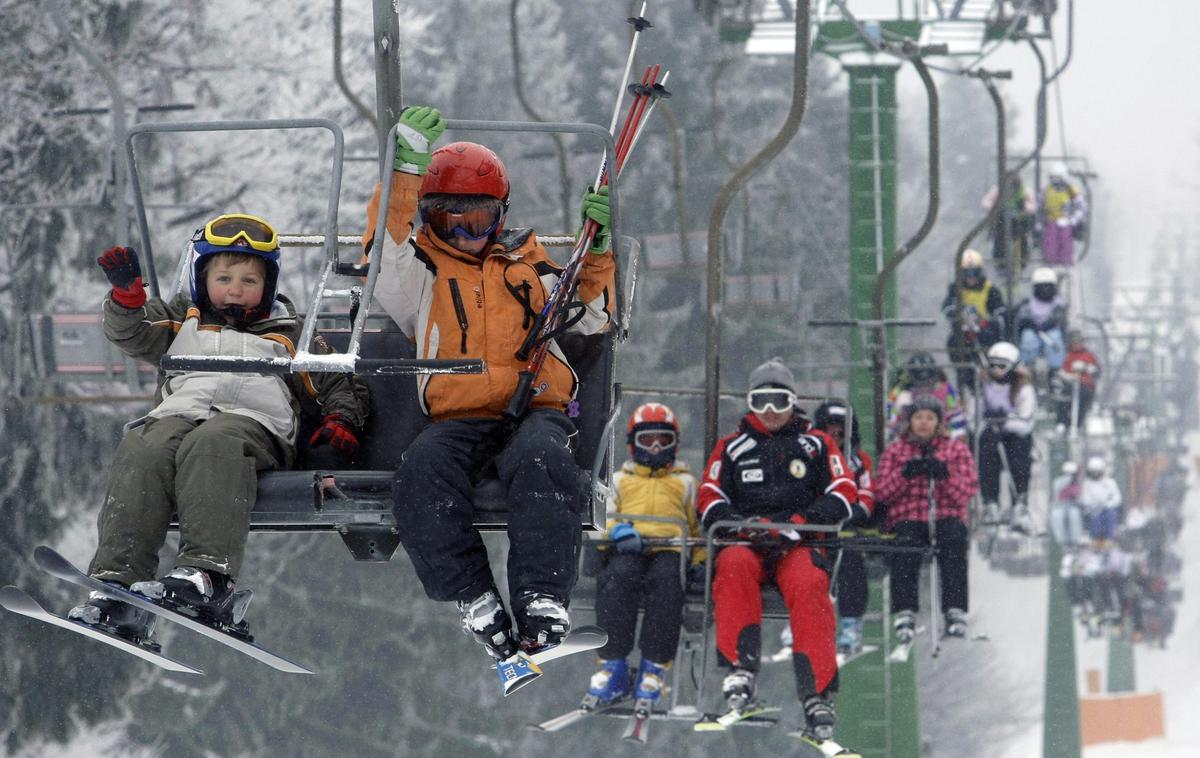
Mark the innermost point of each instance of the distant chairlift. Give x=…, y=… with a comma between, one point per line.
x=357, y=503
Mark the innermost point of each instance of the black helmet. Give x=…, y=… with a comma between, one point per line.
x=834, y=412
x=921, y=367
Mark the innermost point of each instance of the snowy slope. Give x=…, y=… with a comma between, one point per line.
x=1174, y=671
x=985, y=698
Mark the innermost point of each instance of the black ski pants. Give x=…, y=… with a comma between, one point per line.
x=852, y=585
x=632, y=580
x=1018, y=448
x=1062, y=411
x=434, y=511
x=952, y=547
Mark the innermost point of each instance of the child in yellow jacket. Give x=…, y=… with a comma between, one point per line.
x=637, y=574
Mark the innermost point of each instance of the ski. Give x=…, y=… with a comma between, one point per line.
x=901, y=652
x=845, y=658
x=639, y=723
x=18, y=601
x=590, y=707
x=827, y=748
x=521, y=669
x=516, y=671
x=56, y=565
x=753, y=713
x=577, y=641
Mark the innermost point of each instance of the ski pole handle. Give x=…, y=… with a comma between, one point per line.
x=518, y=404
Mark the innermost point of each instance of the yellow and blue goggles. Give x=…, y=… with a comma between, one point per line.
x=236, y=229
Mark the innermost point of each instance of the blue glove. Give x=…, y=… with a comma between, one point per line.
x=695, y=577
x=626, y=538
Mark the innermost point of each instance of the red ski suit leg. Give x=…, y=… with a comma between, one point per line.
x=805, y=590
x=737, y=595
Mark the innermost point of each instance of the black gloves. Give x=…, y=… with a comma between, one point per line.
x=925, y=466
x=121, y=266
x=937, y=469
x=827, y=510
x=915, y=467
x=861, y=516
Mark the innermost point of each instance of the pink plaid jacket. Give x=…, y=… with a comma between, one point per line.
x=908, y=499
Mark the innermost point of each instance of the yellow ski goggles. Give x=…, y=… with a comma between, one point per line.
x=227, y=230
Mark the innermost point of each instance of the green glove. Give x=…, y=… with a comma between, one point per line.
x=595, y=207
x=418, y=128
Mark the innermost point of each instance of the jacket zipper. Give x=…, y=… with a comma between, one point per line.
x=461, y=311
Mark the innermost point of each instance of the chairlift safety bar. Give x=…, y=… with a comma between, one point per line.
x=348, y=362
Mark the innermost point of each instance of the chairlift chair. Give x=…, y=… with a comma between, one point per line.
x=356, y=503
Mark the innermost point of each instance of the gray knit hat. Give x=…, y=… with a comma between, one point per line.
x=773, y=371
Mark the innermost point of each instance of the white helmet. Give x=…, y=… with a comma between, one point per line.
x=1070, y=468
x=971, y=259
x=1044, y=275
x=1059, y=169
x=1096, y=465
x=1004, y=355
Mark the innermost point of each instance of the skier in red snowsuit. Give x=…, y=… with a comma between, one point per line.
x=776, y=469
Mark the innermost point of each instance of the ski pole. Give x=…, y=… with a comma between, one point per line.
x=615, y=158
x=934, y=598
x=639, y=109
x=638, y=22
x=660, y=93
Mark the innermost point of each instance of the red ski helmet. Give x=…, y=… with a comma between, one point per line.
x=465, y=168
x=654, y=418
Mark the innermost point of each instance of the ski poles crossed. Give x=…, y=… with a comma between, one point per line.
x=554, y=317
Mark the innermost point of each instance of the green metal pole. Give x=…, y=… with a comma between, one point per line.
x=872, y=211
x=1061, y=736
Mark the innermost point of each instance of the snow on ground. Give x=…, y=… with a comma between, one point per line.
x=984, y=699
x=1174, y=671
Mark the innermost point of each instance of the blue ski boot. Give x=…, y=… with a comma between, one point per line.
x=849, y=641
x=610, y=683
x=651, y=681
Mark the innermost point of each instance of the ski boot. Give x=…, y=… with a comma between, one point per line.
x=122, y=619
x=956, y=623
x=651, y=681
x=738, y=689
x=207, y=596
x=819, y=718
x=991, y=513
x=849, y=640
x=1020, y=521
x=905, y=627
x=609, y=684
x=485, y=619
x=542, y=619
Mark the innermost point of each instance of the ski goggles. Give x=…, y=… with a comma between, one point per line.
x=772, y=399
x=655, y=440
x=474, y=218
x=1004, y=366
x=232, y=228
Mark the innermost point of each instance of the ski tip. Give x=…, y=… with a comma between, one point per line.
x=516, y=672
x=708, y=723
x=17, y=600
x=44, y=554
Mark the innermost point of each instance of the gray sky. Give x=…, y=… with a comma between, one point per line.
x=1130, y=105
